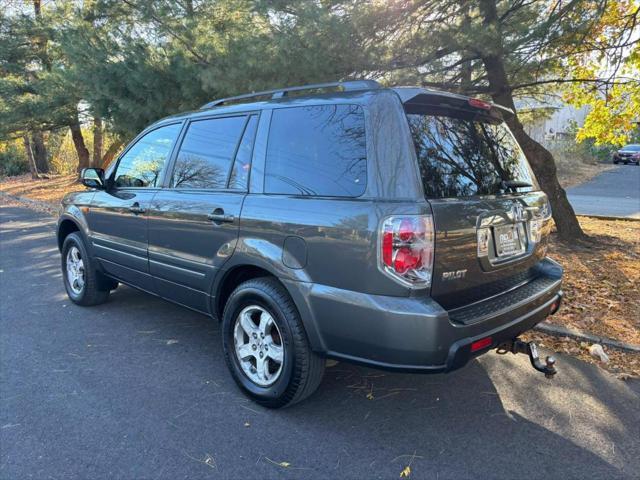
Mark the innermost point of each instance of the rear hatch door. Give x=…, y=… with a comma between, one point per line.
x=489, y=213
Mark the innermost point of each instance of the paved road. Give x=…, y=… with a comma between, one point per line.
x=614, y=193
x=137, y=388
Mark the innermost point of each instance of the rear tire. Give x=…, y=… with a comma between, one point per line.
x=264, y=302
x=84, y=285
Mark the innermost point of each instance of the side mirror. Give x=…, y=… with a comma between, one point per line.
x=92, y=178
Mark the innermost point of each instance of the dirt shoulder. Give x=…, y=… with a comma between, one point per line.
x=577, y=173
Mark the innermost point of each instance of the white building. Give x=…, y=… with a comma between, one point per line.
x=551, y=121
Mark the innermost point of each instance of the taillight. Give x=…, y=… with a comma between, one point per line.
x=538, y=221
x=406, y=249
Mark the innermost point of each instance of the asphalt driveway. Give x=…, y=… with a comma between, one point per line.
x=614, y=193
x=137, y=388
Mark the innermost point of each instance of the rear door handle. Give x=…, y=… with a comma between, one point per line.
x=218, y=216
x=136, y=209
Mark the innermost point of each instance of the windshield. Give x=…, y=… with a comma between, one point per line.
x=461, y=154
x=631, y=148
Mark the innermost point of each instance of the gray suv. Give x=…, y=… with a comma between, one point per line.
x=398, y=228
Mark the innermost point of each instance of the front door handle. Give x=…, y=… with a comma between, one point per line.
x=136, y=209
x=218, y=216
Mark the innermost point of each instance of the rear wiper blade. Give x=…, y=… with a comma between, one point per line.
x=514, y=185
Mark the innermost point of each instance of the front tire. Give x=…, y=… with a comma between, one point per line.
x=266, y=347
x=84, y=285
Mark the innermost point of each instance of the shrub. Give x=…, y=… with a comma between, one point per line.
x=12, y=160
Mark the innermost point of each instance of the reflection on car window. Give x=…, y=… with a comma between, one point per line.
x=318, y=150
x=462, y=156
x=240, y=171
x=206, y=153
x=142, y=164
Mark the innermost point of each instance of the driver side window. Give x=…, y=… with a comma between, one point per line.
x=143, y=164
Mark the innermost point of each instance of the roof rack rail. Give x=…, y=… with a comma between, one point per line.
x=283, y=92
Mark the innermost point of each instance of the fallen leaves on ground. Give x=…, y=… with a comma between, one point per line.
x=602, y=295
x=602, y=279
x=49, y=190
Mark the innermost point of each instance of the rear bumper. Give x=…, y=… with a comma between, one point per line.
x=415, y=334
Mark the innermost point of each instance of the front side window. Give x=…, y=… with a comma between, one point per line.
x=206, y=153
x=143, y=163
x=460, y=155
x=317, y=150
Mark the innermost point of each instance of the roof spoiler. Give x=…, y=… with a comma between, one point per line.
x=283, y=92
x=416, y=97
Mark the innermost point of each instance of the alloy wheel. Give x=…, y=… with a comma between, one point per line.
x=258, y=345
x=75, y=270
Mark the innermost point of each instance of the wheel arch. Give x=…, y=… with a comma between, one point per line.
x=66, y=226
x=230, y=279
x=297, y=290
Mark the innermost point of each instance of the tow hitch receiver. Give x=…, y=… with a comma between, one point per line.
x=529, y=348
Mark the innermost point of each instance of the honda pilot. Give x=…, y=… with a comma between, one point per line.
x=397, y=228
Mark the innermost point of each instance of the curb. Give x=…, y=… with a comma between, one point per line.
x=558, y=331
x=47, y=207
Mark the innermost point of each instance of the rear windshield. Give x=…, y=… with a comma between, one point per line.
x=461, y=154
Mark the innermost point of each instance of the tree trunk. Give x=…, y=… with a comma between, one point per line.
x=541, y=160
x=111, y=152
x=40, y=152
x=189, y=8
x=96, y=160
x=32, y=163
x=78, y=142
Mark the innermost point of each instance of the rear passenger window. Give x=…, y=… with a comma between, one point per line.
x=240, y=171
x=206, y=153
x=318, y=150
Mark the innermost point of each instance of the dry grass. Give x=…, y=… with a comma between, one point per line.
x=49, y=190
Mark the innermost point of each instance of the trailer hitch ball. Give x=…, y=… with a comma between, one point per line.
x=531, y=350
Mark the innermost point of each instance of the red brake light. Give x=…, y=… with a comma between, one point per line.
x=480, y=344
x=387, y=248
x=406, y=249
x=477, y=103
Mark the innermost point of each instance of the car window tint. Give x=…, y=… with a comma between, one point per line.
x=240, y=171
x=317, y=150
x=143, y=163
x=206, y=153
x=461, y=155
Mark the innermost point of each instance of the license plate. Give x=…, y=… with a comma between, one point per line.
x=508, y=241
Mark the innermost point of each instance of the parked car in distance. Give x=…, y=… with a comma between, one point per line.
x=399, y=228
x=627, y=154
